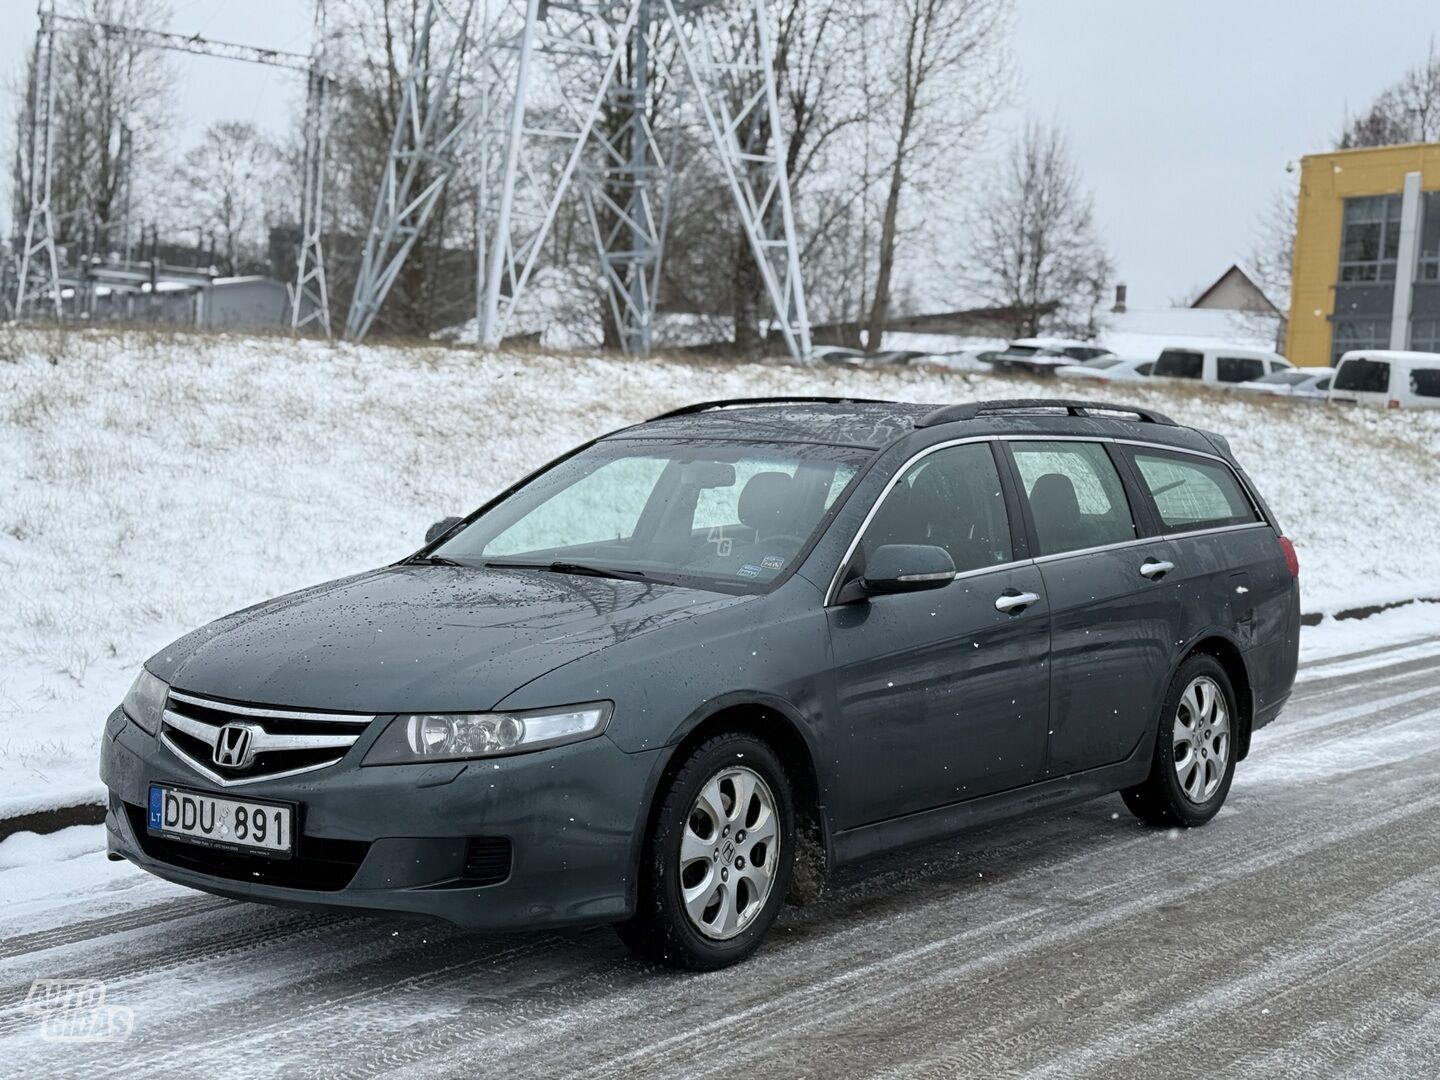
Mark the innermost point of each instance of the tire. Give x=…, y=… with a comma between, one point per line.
x=1192, y=767
x=732, y=902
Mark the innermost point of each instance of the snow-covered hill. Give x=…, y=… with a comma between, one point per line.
x=149, y=483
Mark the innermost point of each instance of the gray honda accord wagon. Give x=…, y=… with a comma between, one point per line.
x=687, y=669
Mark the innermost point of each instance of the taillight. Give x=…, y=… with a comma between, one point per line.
x=1292, y=563
x=1392, y=404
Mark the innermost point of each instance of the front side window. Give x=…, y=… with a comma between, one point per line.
x=1075, y=495
x=951, y=499
x=709, y=513
x=1191, y=493
x=1180, y=364
x=1234, y=369
x=1363, y=376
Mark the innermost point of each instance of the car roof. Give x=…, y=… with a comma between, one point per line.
x=873, y=425
x=1055, y=343
x=1394, y=356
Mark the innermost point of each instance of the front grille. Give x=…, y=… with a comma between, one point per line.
x=318, y=863
x=238, y=744
x=487, y=860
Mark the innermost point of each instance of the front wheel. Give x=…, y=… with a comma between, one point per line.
x=718, y=859
x=1194, y=760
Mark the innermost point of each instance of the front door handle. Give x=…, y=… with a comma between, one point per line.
x=1153, y=568
x=1015, y=601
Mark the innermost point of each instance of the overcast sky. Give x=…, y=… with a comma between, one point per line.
x=1182, y=114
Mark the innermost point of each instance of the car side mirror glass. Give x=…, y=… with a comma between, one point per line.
x=902, y=568
x=440, y=528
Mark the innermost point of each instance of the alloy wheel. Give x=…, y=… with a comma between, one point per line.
x=729, y=851
x=1201, y=739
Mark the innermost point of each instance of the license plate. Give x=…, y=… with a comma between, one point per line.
x=262, y=827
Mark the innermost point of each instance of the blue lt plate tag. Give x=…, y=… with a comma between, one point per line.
x=155, y=797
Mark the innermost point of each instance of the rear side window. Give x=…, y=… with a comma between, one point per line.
x=1238, y=368
x=1180, y=364
x=1425, y=382
x=1192, y=493
x=1076, y=498
x=1363, y=376
x=950, y=499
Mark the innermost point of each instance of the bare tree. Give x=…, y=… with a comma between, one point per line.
x=113, y=110
x=1407, y=112
x=945, y=78
x=223, y=185
x=1033, y=245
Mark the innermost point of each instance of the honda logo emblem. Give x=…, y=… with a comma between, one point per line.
x=235, y=746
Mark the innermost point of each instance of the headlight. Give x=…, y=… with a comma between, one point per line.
x=417, y=737
x=146, y=701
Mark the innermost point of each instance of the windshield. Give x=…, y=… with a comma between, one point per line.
x=722, y=514
x=1101, y=363
x=1284, y=378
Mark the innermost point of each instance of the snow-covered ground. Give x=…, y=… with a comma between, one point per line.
x=149, y=483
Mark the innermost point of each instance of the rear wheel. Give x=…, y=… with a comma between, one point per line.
x=1194, y=760
x=718, y=859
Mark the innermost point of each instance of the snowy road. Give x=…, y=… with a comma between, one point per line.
x=1297, y=935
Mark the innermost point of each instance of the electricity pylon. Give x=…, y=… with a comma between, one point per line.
x=564, y=94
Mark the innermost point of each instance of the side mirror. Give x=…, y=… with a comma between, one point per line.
x=440, y=528
x=902, y=568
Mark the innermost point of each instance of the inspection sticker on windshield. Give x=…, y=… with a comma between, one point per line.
x=748, y=570
x=772, y=562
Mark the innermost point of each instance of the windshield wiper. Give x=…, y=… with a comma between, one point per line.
x=577, y=568
x=439, y=560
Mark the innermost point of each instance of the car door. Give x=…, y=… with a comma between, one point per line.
x=1226, y=571
x=941, y=696
x=1111, y=633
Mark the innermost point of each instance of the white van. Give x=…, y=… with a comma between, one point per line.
x=1218, y=366
x=1391, y=380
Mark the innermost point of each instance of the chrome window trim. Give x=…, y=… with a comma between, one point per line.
x=1162, y=538
x=834, y=588
x=273, y=714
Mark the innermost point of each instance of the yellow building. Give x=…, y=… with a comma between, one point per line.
x=1367, y=253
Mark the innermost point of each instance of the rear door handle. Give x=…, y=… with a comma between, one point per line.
x=1015, y=601
x=1153, y=568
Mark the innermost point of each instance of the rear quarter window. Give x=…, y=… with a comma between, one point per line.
x=1363, y=376
x=1425, y=382
x=1193, y=493
x=1180, y=364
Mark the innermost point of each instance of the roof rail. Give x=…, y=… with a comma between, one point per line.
x=948, y=414
x=725, y=403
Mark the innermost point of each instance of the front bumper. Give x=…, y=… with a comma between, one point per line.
x=396, y=838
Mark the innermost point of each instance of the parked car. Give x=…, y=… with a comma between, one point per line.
x=1218, y=366
x=645, y=683
x=1309, y=384
x=1392, y=380
x=1043, y=356
x=840, y=355
x=1105, y=369
x=975, y=360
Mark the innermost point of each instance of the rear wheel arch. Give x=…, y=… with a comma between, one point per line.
x=1233, y=661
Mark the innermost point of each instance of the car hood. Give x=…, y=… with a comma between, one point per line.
x=416, y=638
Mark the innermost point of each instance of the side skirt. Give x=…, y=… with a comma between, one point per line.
x=851, y=845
